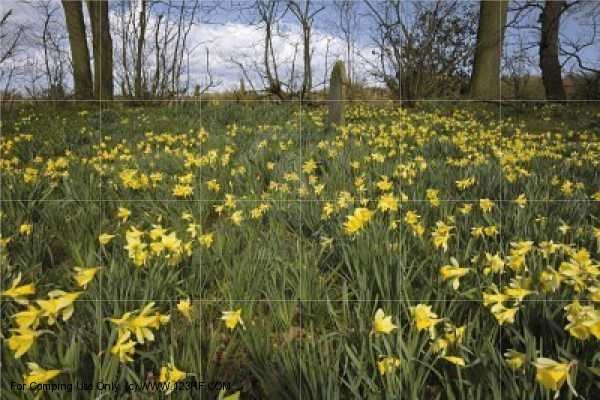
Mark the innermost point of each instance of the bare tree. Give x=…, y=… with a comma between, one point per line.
x=46, y=39
x=269, y=12
x=558, y=50
x=550, y=48
x=388, y=22
x=157, y=53
x=10, y=38
x=347, y=23
x=305, y=13
x=210, y=81
x=517, y=67
x=153, y=43
x=422, y=51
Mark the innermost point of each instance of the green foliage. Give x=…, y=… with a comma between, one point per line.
x=307, y=306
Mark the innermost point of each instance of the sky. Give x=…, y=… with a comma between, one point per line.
x=231, y=34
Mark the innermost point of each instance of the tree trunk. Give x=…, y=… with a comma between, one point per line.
x=549, y=62
x=126, y=85
x=140, y=51
x=82, y=74
x=485, y=81
x=157, y=51
x=307, y=82
x=102, y=45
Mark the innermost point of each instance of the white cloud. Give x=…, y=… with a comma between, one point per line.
x=245, y=43
x=226, y=41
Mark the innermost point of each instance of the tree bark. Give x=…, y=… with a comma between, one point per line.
x=485, y=80
x=549, y=62
x=102, y=45
x=140, y=51
x=82, y=74
x=307, y=82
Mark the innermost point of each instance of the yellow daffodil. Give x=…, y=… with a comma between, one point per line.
x=19, y=293
x=105, y=238
x=309, y=166
x=39, y=375
x=21, y=340
x=28, y=318
x=551, y=374
x=357, y=220
x=423, y=317
x=237, y=217
x=83, y=276
x=453, y=272
x=441, y=235
x=411, y=217
x=514, y=359
x=232, y=318
x=206, y=240
x=466, y=209
x=495, y=264
x=455, y=360
x=185, y=308
x=387, y=364
x=26, y=229
x=124, y=348
x=169, y=375
x=58, y=303
x=384, y=184
x=521, y=201
x=583, y=321
x=123, y=214
x=432, y=196
x=141, y=324
x=182, y=190
x=486, y=205
x=465, y=183
x=503, y=314
x=387, y=202
x=382, y=323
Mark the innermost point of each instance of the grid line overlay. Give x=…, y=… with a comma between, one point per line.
x=100, y=86
x=1, y=234
x=301, y=260
x=500, y=38
x=300, y=263
x=201, y=205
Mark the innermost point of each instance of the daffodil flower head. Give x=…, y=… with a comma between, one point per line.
x=83, y=276
x=232, y=318
x=21, y=340
x=19, y=292
x=387, y=364
x=382, y=323
x=515, y=360
x=185, y=308
x=453, y=272
x=424, y=318
x=59, y=303
x=553, y=374
x=39, y=375
x=170, y=375
x=124, y=348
